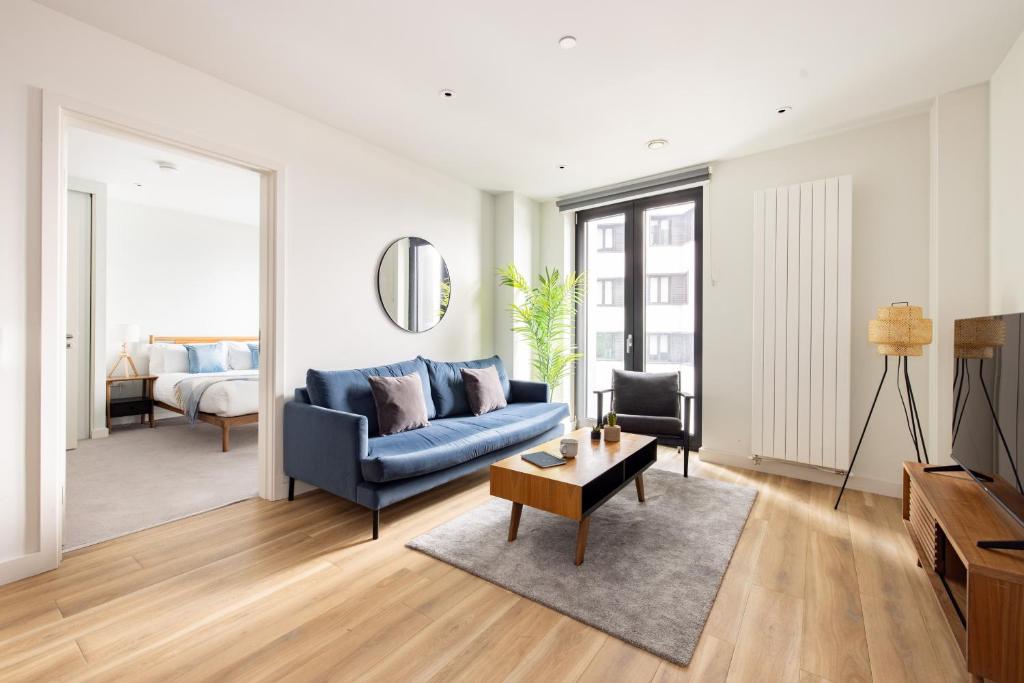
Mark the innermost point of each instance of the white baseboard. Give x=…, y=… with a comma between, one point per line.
x=99, y=433
x=893, y=489
x=27, y=565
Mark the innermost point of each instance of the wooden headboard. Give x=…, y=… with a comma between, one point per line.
x=153, y=339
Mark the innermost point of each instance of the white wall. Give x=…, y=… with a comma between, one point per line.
x=345, y=200
x=959, y=242
x=1007, y=177
x=516, y=241
x=889, y=165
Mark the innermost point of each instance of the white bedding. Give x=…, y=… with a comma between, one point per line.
x=226, y=399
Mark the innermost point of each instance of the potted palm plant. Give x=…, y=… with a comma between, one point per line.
x=545, y=318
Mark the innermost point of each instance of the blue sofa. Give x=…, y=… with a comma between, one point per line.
x=331, y=438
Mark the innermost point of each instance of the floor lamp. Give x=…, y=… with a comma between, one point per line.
x=901, y=330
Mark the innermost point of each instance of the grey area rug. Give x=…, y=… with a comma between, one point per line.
x=140, y=477
x=652, y=570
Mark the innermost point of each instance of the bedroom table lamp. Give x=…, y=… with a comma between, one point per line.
x=129, y=334
x=901, y=330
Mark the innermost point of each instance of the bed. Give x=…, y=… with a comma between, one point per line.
x=224, y=402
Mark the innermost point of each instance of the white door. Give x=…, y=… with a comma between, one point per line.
x=79, y=333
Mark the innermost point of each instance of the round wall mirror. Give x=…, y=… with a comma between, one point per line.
x=413, y=284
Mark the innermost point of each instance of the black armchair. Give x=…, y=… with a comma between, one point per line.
x=651, y=403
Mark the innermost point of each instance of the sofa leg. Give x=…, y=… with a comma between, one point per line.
x=376, y=524
x=686, y=461
x=291, y=488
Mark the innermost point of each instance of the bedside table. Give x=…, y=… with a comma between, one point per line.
x=132, y=405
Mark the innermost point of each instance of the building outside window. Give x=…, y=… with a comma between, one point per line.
x=611, y=291
x=668, y=288
x=670, y=347
x=609, y=346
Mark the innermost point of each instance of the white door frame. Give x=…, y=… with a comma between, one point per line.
x=59, y=112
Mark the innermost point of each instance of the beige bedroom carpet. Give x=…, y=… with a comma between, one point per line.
x=140, y=477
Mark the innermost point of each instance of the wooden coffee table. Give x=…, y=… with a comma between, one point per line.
x=576, y=489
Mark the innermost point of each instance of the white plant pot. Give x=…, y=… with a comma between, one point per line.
x=611, y=434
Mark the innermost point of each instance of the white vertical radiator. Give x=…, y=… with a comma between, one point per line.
x=801, y=347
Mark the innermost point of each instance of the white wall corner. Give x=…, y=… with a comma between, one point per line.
x=958, y=249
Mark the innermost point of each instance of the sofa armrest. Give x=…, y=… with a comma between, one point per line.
x=324, y=447
x=523, y=391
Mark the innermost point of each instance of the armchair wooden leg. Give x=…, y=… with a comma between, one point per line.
x=376, y=524
x=639, y=487
x=291, y=488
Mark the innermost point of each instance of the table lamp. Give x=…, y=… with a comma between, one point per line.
x=129, y=334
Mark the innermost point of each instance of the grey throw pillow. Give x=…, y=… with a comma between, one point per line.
x=399, y=402
x=483, y=389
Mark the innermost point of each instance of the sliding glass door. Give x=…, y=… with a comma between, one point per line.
x=643, y=305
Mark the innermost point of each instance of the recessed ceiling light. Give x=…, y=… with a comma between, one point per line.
x=567, y=42
x=447, y=94
x=561, y=167
x=657, y=143
x=137, y=184
x=783, y=110
x=167, y=166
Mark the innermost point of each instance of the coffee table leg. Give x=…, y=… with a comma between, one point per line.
x=513, y=524
x=581, y=539
x=640, y=487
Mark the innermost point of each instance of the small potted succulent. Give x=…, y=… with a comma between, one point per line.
x=612, y=430
x=595, y=430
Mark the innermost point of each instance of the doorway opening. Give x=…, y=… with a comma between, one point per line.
x=163, y=335
x=642, y=312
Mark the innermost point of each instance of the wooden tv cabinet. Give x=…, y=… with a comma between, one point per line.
x=981, y=592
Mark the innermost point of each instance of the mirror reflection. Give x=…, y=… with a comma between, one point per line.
x=413, y=284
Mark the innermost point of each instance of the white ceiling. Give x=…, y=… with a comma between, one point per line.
x=707, y=75
x=204, y=187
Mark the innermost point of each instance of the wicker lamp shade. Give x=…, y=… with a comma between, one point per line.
x=900, y=331
x=978, y=337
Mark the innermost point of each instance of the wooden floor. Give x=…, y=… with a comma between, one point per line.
x=297, y=591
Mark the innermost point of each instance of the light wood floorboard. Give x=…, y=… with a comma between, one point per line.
x=298, y=591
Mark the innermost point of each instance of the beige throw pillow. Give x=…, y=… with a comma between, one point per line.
x=483, y=389
x=399, y=402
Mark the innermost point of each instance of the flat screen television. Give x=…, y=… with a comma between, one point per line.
x=988, y=411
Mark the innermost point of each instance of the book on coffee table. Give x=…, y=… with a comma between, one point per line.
x=542, y=459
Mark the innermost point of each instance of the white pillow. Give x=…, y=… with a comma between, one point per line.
x=167, y=358
x=239, y=356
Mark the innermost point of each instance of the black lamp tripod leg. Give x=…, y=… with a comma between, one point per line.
x=849, y=469
x=907, y=405
x=916, y=415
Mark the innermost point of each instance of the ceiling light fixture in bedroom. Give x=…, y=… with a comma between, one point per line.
x=167, y=166
x=657, y=143
x=447, y=94
x=784, y=109
x=567, y=42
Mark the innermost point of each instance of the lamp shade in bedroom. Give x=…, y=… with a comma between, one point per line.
x=129, y=333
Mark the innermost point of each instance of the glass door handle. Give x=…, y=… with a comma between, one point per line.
x=629, y=343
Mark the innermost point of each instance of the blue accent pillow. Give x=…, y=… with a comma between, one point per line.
x=206, y=358
x=254, y=349
x=349, y=390
x=449, y=391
